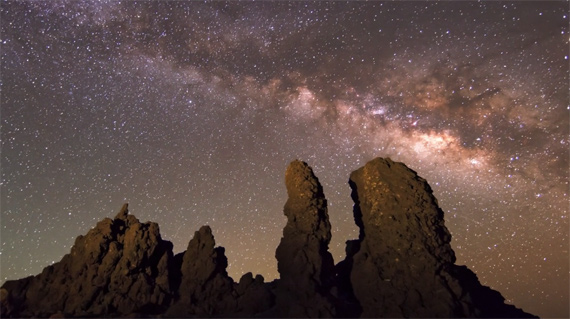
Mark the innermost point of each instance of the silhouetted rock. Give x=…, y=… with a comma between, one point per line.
x=305, y=266
x=253, y=296
x=400, y=266
x=121, y=266
x=403, y=265
x=206, y=288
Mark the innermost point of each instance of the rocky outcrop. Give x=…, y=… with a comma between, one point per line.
x=400, y=266
x=206, y=290
x=304, y=263
x=253, y=297
x=120, y=267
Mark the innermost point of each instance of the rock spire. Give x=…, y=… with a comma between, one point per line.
x=304, y=263
x=402, y=264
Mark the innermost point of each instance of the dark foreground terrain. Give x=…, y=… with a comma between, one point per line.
x=402, y=264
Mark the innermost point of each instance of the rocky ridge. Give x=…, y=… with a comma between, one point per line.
x=402, y=264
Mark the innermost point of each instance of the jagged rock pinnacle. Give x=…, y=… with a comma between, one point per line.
x=205, y=284
x=124, y=212
x=305, y=266
x=402, y=264
x=119, y=267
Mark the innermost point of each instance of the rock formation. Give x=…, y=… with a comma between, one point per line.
x=400, y=266
x=206, y=290
x=205, y=283
x=120, y=267
x=304, y=263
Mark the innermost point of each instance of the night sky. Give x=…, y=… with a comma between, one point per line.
x=191, y=112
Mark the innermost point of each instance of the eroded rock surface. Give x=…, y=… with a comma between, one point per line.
x=304, y=263
x=206, y=289
x=402, y=264
x=119, y=267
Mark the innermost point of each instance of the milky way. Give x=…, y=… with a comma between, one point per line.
x=191, y=111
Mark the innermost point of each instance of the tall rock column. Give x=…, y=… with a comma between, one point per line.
x=306, y=267
x=403, y=265
x=403, y=244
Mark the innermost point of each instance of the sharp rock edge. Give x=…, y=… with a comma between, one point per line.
x=402, y=264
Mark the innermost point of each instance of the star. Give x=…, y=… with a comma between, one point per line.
x=191, y=112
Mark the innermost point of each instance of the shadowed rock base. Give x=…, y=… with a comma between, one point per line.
x=402, y=264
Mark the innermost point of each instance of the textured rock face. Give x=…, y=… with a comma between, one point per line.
x=206, y=290
x=120, y=267
x=403, y=244
x=204, y=276
x=402, y=265
x=305, y=266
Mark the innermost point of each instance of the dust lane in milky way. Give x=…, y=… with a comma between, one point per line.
x=191, y=112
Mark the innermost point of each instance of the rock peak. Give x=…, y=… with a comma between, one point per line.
x=120, y=266
x=388, y=194
x=300, y=181
x=402, y=264
x=305, y=266
x=123, y=212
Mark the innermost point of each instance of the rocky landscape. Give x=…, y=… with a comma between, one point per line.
x=402, y=264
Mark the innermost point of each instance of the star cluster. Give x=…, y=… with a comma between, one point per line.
x=191, y=111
